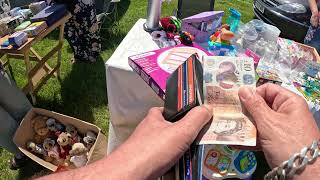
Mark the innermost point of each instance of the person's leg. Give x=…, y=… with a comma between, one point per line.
x=13, y=107
x=71, y=34
x=13, y=100
x=7, y=129
x=88, y=32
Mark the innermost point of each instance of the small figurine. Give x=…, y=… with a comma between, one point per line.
x=78, y=155
x=89, y=139
x=186, y=38
x=52, y=150
x=54, y=125
x=74, y=134
x=222, y=35
x=36, y=148
x=40, y=127
x=65, y=142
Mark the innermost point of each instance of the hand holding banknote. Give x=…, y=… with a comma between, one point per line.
x=223, y=76
x=284, y=122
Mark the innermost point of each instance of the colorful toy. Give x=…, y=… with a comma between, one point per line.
x=36, y=148
x=171, y=25
x=65, y=142
x=220, y=162
x=40, y=127
x=90, y=139
x=54, y=126
x=52, y=150
x=234, y=19
x=74, y=134
x=219, y=43
x=202, y=25
x=186, y=38
x=79, y=155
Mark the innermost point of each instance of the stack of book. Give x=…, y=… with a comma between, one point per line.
x=35, y=28
x=50, y=14
x=17, y=39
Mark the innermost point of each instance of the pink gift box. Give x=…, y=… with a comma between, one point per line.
x=156, y=66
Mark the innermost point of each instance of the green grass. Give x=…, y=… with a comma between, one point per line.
x=81, y=93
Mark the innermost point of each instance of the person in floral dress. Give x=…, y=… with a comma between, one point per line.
x=81, y=30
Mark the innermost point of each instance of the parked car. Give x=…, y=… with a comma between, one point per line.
x=292, y=17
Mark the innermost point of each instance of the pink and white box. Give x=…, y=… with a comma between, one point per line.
x=156, y=66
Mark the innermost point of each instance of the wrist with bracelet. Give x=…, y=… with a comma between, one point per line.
x=296, y=163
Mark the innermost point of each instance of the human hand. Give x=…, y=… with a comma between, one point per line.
x=314, y=20
x=283, y=120
x=156, y=144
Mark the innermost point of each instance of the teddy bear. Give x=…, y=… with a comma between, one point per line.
x=54, y=126
x=40, y=127
x=74, y=134
x=65, y=142
x=52, y=149
x=79, y=155
x=89, y=139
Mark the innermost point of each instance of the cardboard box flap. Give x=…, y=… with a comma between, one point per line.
x=100, y=149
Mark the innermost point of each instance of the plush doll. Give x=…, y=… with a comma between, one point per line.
x=79, y=155
x=65, y=142
x=55, y=126
x=52, y=150
x=40, y=127
x=36, y=148
x=89, y=139
x=74, y=134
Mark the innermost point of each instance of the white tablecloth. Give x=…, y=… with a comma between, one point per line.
x=129, y=97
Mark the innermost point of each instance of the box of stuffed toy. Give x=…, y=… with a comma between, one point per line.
x=59, y=142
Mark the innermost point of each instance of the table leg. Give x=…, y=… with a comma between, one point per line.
x=61, y=39
x=28, y=69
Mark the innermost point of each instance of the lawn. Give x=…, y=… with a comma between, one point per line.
x=81, y=93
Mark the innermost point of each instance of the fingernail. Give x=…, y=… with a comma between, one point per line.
x=245, y=93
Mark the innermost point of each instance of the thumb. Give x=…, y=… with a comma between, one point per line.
x=254, y=103
x=192, y=123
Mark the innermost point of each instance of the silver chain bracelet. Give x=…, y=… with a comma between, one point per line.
x=296, y=163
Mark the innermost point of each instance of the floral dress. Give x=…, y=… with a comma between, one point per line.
x=313, y=37
x=81, y=30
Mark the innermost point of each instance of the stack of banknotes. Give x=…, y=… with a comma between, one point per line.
x=222, y=79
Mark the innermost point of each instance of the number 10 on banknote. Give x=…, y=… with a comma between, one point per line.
x=222, y=78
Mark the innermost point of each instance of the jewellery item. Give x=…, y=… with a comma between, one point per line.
x=296, y=163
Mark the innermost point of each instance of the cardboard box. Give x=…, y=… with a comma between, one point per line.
x=25, y=133
x=156, y=66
